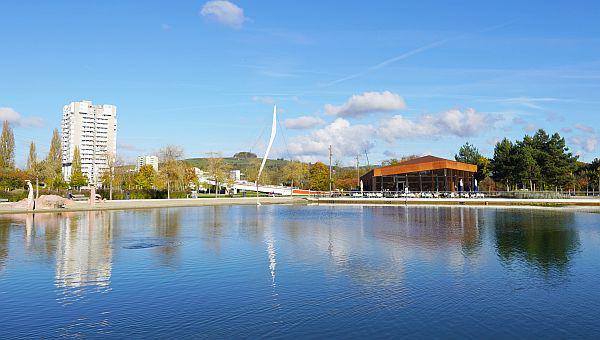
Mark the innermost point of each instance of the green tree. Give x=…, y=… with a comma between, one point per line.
x=34, y=167
x=594, y=169
x=527, y=166
x=469, y=154
x=251, y=170
x=32, y=159
x=318, y=177
x=561, y=164
x=502, y=165
x=217, y=170
x=77, y=179
x=541, y=159
x=145, y=178
x=244, y=155
x=53, y=163
x=295, y=173
x=172, y=168
x=7, y=147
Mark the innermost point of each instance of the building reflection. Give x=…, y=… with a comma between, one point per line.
x=545, y=239
x=374, y=245
x=84, y=255
x=428, y=227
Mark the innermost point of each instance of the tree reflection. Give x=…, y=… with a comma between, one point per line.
x=544, y=239
x=4, y=240
x=167, y=225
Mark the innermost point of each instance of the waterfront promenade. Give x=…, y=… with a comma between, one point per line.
x=546, y=202
x=5, y=208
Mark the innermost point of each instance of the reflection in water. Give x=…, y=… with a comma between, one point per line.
x=167, y=226
x=429, y=227
x=270, y=242
x=4, y=240
x=545, y=239
x=84, y=255
x=255, y=272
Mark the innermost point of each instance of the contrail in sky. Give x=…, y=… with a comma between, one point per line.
x=411, y=53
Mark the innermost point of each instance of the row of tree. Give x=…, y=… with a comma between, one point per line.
x=48, y=169
x=539, y=162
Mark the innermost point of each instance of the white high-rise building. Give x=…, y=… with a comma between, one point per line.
x=147, y=160
x=92, y=128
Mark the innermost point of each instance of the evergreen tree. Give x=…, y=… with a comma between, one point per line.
x=541, y=159
x=469, y=154
x=77, y=178
x=502, y=165
x=527, y=166
x=594, y=169
x=7, y=148
x=561, y=164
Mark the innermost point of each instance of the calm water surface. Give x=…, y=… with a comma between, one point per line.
x=301, y=271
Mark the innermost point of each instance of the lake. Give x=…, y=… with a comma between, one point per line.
x=301, y=271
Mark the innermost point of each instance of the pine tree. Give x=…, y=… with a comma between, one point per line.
x=469, y=154
x=502, y=165
x=527, y=166
x=7, y=147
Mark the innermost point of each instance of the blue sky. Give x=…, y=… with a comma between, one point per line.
x=381, y=78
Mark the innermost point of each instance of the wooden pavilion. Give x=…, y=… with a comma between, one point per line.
x=427, y=173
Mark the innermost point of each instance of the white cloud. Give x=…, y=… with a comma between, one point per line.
x=584, y=128
x=224, y=12
x=346, y=139
x=166, y=27
x=450, y=123
x=15, y=118
x=588, y=144
x=303, y=122
x=349, y=140
x=464, y=124
x=368, y=102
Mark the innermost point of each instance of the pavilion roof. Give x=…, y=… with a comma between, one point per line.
x=423, y=164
